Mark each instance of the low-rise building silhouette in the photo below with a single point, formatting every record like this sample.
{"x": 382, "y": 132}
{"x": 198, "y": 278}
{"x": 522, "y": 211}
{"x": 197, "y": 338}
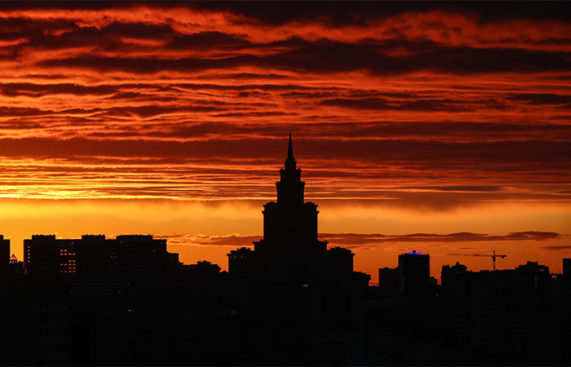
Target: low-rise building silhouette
{"x": 203, "y": 269}
{"x": 567, "y": 267}
{"x": 486, "y": 308}
{"x": 16, "y": 267}
{"x": 389, "y": 281}
{"x": 4, "y": 253}
{"x": 241, "y": 262}
{"x": 95, "y": 259}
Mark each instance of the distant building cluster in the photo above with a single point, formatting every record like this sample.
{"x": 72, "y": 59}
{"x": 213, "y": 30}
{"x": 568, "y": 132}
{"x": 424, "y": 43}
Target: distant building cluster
{"x": 513, "y": 316}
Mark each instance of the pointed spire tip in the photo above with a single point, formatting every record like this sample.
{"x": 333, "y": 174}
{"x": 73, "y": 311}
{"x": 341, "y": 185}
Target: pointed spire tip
{"x": 290, "y": 147}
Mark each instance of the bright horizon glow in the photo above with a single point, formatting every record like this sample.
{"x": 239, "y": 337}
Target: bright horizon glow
{"x": 194, "y": 229}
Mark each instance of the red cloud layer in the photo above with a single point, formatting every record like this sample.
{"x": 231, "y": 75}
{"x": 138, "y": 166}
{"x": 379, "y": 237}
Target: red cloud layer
{"x": 436, "y": 106}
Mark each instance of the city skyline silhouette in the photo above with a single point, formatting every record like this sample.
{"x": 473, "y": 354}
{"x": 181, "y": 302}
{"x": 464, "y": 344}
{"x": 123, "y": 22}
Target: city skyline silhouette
{"x": 430, "y": 127}
{"x": 344, "y": 183}
{"x": 290, "y": 300}
{"x": 416, "y": 240}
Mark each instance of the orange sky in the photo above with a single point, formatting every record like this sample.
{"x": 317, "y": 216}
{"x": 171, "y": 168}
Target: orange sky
{"x": 172, "y": 120}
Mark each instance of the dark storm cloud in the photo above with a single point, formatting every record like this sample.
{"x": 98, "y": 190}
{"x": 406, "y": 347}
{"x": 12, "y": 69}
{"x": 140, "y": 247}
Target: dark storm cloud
{"x": 397, "y": 130}
{"x": 137, "y": 30}
{"x": 384, "y": 104}
{"x": 327, "y": 57}
{"x": 206, "y": 40}
{"x": 20, "y": 111}
{"x": 456, "y": 188}
{"x": 548, "y": 153}
{"x": 358, "y": 12}
{"x": 23, "y": 28}
{"x": 339, "y": 13}
{"x": 144, "y": 65}
{"x": 153, "y": 110}
{"x": 31, "y": 89}
{"x": 543, "y": 98}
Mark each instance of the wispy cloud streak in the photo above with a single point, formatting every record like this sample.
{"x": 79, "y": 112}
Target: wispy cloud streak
{"x": 367, "y": 239}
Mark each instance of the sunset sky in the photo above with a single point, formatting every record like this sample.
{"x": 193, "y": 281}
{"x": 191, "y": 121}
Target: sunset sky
{"x": 438, "y": 127}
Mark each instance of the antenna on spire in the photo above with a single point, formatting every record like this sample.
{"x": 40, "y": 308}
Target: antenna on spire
{"x": 290, "y": 160}
{"x": 290, "y": 148}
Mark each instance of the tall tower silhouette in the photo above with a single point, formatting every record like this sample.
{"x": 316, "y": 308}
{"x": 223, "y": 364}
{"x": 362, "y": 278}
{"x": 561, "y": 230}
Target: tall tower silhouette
{"x": 290, "y": 224}
{"x": 290, "y": 250}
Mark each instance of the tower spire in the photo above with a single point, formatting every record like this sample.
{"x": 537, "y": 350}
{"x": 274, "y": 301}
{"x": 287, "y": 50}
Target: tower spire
{"x": 290, "y": 148}
{"x": 290, "y": 160}
{"x": 290, "y": 187}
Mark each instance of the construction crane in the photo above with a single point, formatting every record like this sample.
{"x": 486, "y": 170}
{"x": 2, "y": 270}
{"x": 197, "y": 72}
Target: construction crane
{"x": 493, "y": 256}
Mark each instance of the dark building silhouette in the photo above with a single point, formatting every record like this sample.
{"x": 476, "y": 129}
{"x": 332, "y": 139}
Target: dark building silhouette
{"x": 9, "y": 265}
{"x": 16, "y": 267}
{"x": 241, "y": 261}
{"x": 505, "y": 316}
{"x": 290, "y": 249}
{"x": 536, "y": 275}
{"x": 46, "y": 256}
{"x": 201, "y": 275}
{"x": 389, "y": 280}
{"x": 410, "y": 278}
{"x": 95, "y": 259}
{"x": 567, "y": 267}
{"x": 414, "y": 270}
{"x": 4, "y": 253}
{"x": 290, "y": 241}
{"x": 203, "y": 269}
